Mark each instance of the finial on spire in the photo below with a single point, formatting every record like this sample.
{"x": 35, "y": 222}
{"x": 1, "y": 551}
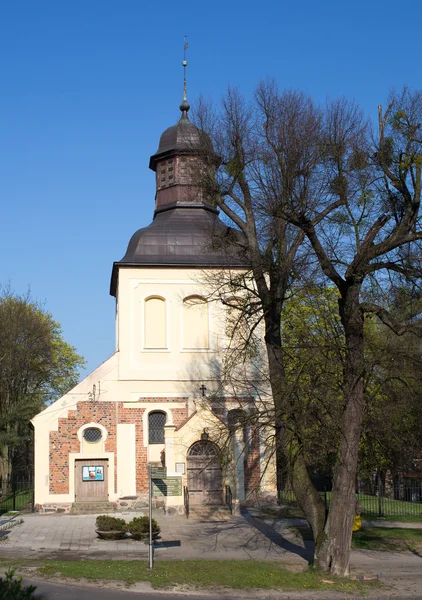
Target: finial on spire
{"x": 185, "y": 106}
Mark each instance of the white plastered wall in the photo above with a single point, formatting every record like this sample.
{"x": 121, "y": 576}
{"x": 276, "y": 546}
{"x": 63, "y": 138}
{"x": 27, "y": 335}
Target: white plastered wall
{"x": 135, "y": 375}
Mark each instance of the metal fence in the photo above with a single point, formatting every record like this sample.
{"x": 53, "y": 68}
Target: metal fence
{"x": 397, "y": 501}
{"x": 17, "y": 494}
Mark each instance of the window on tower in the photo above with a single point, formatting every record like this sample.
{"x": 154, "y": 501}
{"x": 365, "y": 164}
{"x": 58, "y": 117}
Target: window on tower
{"x": 195, "y": 323}
{"x": 155, "y": 323}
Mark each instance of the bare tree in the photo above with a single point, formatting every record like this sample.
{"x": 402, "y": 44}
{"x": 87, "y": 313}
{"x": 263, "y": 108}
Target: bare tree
{"x": 373, "y": 234}
{"x": 267, "y": 155}
{"x": 289, "y": 173}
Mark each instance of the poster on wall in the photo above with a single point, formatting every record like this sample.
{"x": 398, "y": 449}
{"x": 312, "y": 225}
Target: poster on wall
{"x": 92, "y": 473}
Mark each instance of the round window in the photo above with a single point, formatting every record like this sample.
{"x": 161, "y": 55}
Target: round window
{"x": 92, "y": 435}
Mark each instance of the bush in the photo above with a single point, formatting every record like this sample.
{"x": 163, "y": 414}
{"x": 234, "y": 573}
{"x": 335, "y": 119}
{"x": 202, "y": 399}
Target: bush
{"x": 11, "y": 588}
{"x": 107, "y": 523}
{"x": 139, "y": 527}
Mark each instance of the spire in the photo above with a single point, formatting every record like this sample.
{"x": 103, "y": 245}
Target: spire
{"x": 185, "y": 106}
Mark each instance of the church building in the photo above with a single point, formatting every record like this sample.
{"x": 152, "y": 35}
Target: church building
{"x": 149, "y": 403}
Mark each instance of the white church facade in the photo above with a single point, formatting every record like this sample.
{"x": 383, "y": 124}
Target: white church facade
{"x": 147, "y": 404}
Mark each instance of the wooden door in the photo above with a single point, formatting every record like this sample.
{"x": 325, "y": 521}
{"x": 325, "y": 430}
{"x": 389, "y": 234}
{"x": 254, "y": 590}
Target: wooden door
{"x": 205, "y": 479}
{"x": 91, "y": 480}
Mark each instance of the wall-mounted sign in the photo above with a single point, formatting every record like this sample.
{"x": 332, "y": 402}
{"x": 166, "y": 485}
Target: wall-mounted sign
{"x": 167, "y": 486}
{"x": 93, "y": 473}
{"x": 180, "y": 468}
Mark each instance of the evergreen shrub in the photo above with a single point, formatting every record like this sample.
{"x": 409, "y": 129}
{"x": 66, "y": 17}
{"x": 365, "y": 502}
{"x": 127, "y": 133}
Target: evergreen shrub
{"x": 139, "y": 528}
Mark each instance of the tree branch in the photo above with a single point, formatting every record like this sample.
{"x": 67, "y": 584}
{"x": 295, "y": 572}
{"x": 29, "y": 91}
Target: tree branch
{"x": 390, "y": 321}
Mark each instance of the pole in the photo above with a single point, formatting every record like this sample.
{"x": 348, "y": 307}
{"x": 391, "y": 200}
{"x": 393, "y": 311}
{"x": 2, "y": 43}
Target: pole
{"x": 14, "y": 492}
{"x": 151, "y": 547}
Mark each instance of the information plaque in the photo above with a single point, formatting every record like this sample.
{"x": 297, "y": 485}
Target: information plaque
{"x": 167, "y": 486}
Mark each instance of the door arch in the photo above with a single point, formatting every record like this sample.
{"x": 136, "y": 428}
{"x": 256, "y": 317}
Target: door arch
{"x": 205, "y": 477}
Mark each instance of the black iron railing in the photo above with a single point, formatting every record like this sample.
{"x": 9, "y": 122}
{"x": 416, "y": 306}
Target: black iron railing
{"x": 398, "y": 501}
{"x": 229, "y": 499}
{"x": 16, "y": 495}
{"x": 186, "y": 500}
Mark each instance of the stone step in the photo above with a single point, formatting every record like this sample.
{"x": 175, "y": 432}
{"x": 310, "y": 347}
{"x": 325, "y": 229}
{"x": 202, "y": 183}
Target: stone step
{"x": 209, "y": 513}
{"x": 83, "y": 508}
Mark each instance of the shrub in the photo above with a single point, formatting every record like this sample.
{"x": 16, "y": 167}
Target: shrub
{"x": 139, "y": 527}
{"x": 11, "y": 588}
{"x": 107, "y": 523}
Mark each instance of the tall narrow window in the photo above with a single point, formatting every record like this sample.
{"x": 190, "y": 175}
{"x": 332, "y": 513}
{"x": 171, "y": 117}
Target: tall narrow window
{"x": 195, "y": 323}
{"x": 156, "y": 422}
{"x": 155, "y": 323}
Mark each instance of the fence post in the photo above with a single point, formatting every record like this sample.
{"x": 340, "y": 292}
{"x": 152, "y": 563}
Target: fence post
{"x": 14, "y": 492}
{"x": 380, "y": 503}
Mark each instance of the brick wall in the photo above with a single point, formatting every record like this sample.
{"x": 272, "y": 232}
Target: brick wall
{"x": 252, "y": 467}
{"x": 107, "y": 414}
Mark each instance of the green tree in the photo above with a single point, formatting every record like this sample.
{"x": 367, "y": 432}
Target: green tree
{"x": 36, "y": 367}
{"x": 392, "y": 419}
{"x": 314, "y": 345}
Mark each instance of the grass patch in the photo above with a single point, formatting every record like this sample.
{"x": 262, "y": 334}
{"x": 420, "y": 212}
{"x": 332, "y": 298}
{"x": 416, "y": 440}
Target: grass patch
{"x": 202, "y": 574}
{"x": 393, "y": 510}
{"x": 385, "y": 539}
{"x": 388, "y": 539}
{"x": 397, "y": 518}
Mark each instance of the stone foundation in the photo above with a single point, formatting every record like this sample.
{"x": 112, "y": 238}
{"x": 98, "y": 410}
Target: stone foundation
{"x": 141, "y": 502}
{"x": 61, "y": 508}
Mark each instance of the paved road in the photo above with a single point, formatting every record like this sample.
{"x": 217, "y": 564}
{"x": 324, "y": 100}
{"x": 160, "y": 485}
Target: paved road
{"x": 53, "y": 591}
{"x": 56, "y": 591}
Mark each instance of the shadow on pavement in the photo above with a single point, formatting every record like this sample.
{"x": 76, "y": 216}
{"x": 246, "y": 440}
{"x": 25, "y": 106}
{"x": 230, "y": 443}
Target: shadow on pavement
{"x": 170, "y": 544}
{"x": 276, "y": 538}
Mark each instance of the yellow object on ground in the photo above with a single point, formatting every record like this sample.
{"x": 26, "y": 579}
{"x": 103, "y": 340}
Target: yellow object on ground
{"x": 357, "y": 523}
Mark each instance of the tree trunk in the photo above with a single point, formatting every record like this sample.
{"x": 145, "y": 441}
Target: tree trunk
{"x": 288, "y": 445}
{"x": 333, "y": 553}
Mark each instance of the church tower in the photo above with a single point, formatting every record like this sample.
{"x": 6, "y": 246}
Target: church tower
{"x": 186, "y": 223}
{"x": 144, "y": 405}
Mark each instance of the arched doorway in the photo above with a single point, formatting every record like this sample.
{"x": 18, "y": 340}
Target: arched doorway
{"x": 205, "y": 478}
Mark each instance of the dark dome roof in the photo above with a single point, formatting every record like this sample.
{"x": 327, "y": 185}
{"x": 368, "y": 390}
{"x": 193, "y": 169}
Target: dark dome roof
{"x": 182, "y": 138}
{"x": 182, "y": 236}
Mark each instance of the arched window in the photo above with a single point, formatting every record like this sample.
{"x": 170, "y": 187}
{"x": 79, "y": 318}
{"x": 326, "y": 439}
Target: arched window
{"x": 195, "y": 323}
{"x": 236, "y": 419}
{"x": 204, "y": 448}
{"x": 155, "y": 323}
{"x": 156, "y": 422}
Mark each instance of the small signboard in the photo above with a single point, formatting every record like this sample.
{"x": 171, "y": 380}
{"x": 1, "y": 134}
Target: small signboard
{"x": 167, "y": 486}
{"x": 94, "y": 473}
{"x": 158, "y": 472}
{"x": 180, "y": 468}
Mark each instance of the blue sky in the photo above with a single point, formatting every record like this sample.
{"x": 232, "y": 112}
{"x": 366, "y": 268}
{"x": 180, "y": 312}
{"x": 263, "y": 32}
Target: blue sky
{"x": 87, "y": 87}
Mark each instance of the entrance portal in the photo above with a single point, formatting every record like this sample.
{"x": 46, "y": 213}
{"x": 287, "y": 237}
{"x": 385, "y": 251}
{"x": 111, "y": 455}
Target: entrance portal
{"x": 91, "y": 480}
{"x": 205, "y": 479}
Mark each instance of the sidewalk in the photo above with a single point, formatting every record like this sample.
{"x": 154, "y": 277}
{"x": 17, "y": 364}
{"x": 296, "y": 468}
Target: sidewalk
{"x": 66, "y": 536}
{"x": 244, "y": 537}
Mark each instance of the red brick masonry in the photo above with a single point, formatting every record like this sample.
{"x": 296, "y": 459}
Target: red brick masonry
{"x": 107, "y": 414}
